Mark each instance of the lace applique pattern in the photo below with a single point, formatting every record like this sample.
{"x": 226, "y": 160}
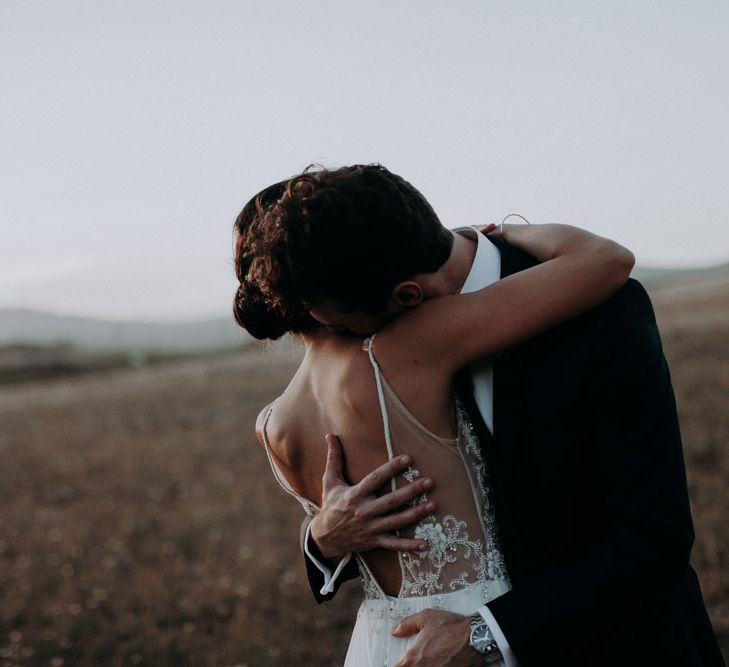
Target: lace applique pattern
{"x": 449, "y": 540}
{"x": 411, "y": 474}
{"x": 496, "y": 564}
{"x": 372, "y": 590}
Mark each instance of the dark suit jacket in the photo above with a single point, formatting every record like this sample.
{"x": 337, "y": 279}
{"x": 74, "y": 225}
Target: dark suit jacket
{"x": 590, "y": 494}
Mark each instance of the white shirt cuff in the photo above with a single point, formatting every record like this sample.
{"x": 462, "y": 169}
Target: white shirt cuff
{"x": 330, "y": 577}
{"x": 506, "y": 652}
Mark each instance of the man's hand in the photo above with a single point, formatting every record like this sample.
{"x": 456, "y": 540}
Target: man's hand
{"x": 354, "y": 518}
{"x": 487, "y": 229}
{"x": 442, "y": 640}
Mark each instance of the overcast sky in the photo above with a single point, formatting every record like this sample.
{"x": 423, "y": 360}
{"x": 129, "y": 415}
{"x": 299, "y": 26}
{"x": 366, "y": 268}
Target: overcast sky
{"x": 131, "y": 133}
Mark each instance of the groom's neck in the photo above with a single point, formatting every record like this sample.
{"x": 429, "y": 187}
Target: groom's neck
{"x": 449, "y": 279}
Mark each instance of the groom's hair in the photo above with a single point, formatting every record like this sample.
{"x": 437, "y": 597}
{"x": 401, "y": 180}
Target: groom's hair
{"x": 350, "y": 234}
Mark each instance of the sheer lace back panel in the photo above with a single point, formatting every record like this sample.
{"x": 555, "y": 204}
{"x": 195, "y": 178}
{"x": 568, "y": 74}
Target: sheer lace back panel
{"x": 461, "y": 535}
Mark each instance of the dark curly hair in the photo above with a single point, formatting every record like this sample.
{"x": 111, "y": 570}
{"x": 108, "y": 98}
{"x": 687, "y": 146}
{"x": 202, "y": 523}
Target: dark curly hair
{"x": 251, "y": 309}
{"x": 349, "y": 234}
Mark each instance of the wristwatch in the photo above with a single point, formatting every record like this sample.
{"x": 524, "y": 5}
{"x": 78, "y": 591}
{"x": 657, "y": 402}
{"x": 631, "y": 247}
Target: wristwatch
{"x": 482, "y": 640}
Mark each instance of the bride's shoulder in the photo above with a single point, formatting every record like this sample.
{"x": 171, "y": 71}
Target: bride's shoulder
{"x": 270, "y": 420}
{"x": 261, "y": 423}
{"x": 278, "y": 426}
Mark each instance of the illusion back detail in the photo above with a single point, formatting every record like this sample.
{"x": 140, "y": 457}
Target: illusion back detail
{"x": 463, "y": 548}
{"x": 463, "y": 567}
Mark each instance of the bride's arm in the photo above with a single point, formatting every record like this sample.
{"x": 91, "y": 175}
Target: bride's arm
{"x": 579, "y": 270}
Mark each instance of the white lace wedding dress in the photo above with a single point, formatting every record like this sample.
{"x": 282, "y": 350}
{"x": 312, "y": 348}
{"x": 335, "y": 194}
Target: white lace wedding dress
{"x": 463, "y": 568}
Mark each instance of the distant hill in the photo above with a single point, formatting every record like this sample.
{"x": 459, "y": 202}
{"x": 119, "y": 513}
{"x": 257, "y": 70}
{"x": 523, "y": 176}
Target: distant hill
{"x": 35, "y": 327}
{"x": 28, "y": 326}
{"x": 664, "y": 277}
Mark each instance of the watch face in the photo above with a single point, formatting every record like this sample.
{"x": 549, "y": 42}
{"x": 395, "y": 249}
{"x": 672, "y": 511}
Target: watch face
{"x": 480, "y": 638}
{"x": 483, "y": 641}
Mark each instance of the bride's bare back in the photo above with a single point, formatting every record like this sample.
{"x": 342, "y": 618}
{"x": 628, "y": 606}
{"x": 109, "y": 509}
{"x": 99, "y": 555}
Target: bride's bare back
{"x": 462, "y": 551}
{"x": 334, "y": 391}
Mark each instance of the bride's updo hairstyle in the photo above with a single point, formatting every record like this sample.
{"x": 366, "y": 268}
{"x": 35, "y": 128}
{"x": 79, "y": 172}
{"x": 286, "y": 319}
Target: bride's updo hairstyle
{"x": 350, "y": 234}
{"x": 262, "y": 317}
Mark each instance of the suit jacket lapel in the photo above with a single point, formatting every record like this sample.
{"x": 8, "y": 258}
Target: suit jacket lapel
{"x": 505, "y": 439}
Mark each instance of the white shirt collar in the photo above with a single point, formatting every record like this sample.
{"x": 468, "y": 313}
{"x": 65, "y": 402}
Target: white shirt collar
{"x": 486, "y": 267}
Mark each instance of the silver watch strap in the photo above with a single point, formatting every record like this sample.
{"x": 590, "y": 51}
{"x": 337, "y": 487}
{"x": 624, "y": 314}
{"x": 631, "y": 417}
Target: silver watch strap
{"x": 483, "y": 641}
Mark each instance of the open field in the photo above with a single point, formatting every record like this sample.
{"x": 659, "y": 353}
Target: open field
{"x": 141, "y": 525}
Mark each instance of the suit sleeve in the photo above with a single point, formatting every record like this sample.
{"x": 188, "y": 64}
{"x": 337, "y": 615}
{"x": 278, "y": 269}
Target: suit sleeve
{"x": 323, "y": 581}
{"x": 642, "y": 485}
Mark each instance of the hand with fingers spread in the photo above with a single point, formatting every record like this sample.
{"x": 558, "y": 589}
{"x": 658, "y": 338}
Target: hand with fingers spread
{"x": 353, "y": 518}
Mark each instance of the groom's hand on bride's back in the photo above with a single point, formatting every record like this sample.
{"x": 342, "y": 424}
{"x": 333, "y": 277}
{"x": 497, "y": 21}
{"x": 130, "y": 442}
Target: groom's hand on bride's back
{"x": 353, "y": 518}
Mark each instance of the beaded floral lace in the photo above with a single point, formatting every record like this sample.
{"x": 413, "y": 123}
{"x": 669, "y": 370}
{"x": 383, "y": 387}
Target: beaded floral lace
{"x": 449, "y": 542}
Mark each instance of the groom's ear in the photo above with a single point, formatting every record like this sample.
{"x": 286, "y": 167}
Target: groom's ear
{"x": 405, "y": 295}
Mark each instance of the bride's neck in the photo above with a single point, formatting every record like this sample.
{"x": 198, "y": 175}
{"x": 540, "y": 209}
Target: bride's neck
{"x": 321, "y": 339}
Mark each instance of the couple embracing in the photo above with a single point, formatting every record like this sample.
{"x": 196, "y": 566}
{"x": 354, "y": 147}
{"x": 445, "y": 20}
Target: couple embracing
{"x": 507, "y": 479}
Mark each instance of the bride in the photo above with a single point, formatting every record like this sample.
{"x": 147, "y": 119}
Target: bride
{"x": 389, "y": 393}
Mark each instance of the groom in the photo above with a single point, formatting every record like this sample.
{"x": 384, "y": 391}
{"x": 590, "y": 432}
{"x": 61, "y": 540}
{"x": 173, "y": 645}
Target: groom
{"x": 581, "y": 437}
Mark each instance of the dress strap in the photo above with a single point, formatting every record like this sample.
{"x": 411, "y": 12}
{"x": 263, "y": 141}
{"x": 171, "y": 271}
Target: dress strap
{"x": 310, "y": 507}
{"x": 367, "y": 346}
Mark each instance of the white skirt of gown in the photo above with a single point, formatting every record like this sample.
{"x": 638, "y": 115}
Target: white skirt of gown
{"x": 372, "y": 643}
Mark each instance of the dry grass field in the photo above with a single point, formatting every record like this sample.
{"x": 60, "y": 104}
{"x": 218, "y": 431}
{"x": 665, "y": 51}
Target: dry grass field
{"x": 140, "y": 523}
